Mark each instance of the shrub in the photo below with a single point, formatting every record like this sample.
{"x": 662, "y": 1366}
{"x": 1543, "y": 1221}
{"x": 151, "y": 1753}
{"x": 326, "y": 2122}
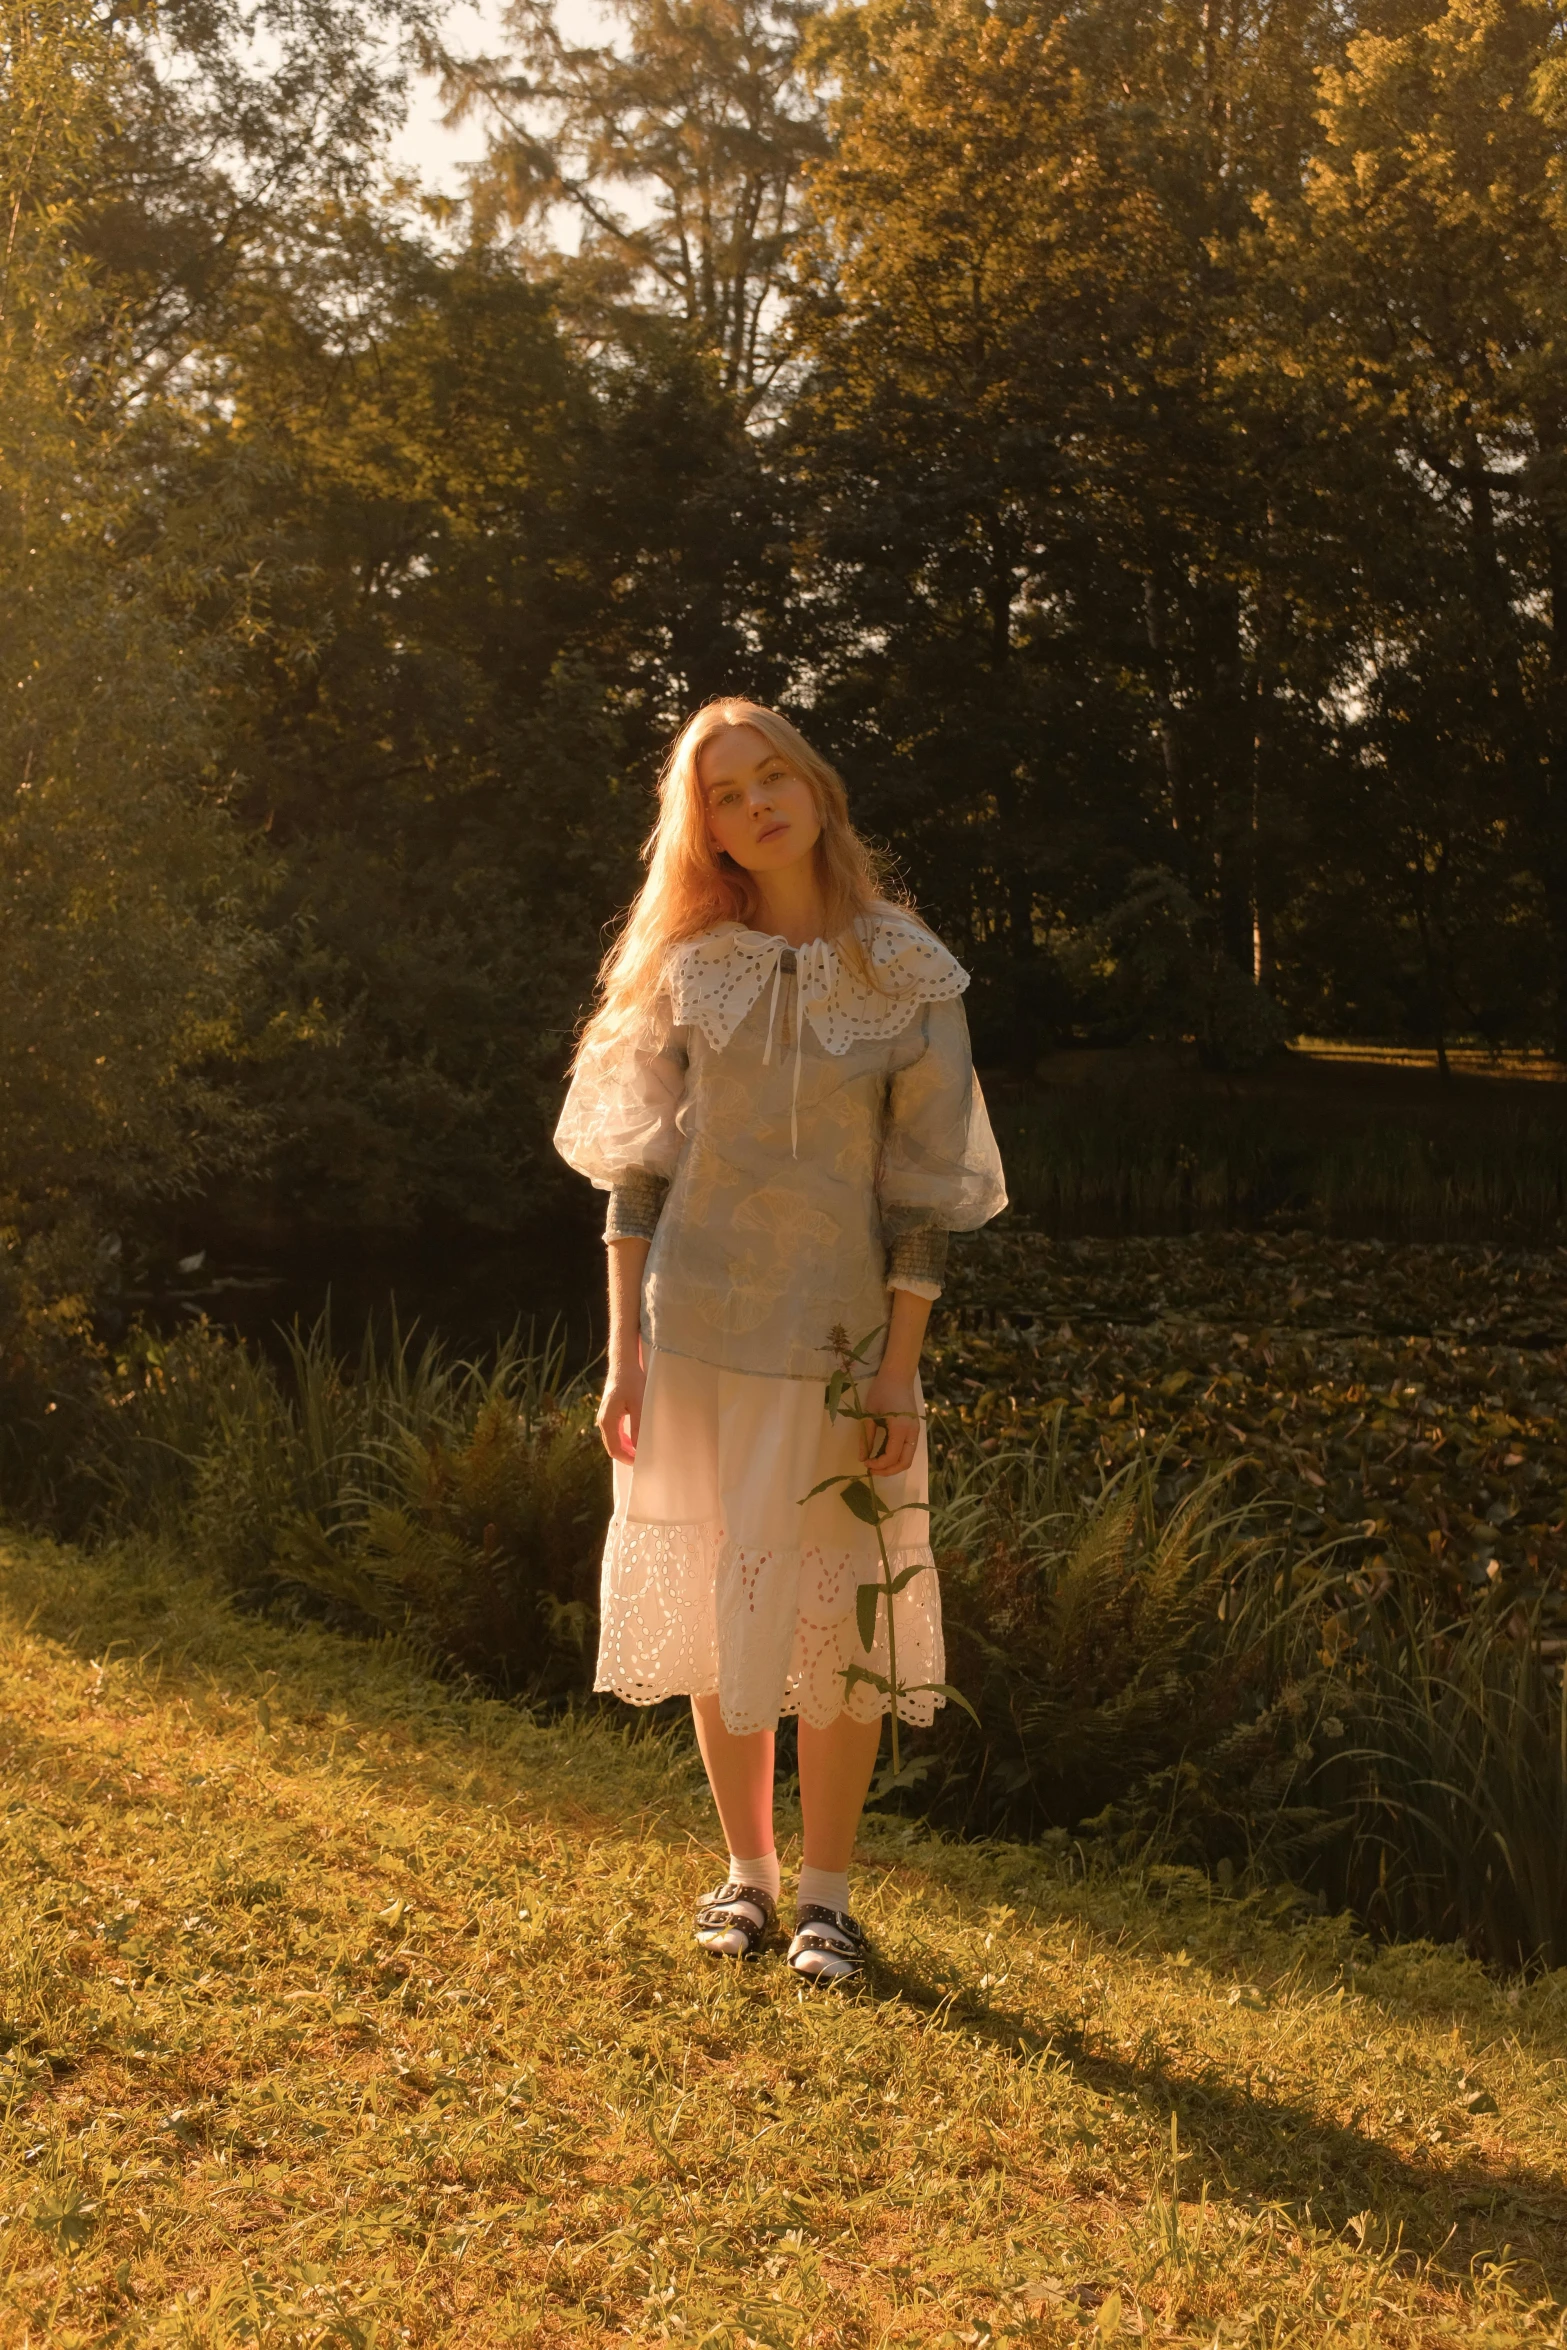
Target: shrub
{"x": 408, "y": 1491}
{"x": 1138, "y": 1660}
{"x": 1446, "y": 1778}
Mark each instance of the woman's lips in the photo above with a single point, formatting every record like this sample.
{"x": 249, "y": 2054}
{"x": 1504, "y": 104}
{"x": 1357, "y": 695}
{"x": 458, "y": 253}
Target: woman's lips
{"x": 772, "y": 832}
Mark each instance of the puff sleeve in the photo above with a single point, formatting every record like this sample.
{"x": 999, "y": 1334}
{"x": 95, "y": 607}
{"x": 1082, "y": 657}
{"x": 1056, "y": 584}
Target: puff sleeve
{"x": 940, "y": 1168}
{"x": 619, "y": 1123}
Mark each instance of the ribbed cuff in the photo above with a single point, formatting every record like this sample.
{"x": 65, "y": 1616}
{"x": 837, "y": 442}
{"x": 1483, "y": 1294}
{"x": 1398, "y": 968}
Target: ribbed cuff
{"x": 635, "y": 1204}
{"x": 917, "y": 1256}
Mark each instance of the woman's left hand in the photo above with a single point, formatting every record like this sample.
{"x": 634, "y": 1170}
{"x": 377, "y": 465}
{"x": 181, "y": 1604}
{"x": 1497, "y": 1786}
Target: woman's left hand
{"x": 895, "y": 1402}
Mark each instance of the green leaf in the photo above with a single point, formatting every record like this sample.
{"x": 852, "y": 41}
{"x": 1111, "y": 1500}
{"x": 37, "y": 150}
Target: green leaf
{"x": 844, "y": 1477}
{"x": 901, "y": 1582}
{"x": 835, "y": 1387}
{"x": 864, "y": 1502}
{"x": 866, "y": 1599}
{"x": 946, "y": 1690}
{"x": 67, "y": 2220}
{"x": 855, "y": 1673}
{"x": 857, "y": 1352}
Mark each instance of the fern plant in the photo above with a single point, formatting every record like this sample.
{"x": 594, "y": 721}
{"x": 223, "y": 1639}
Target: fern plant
{"x": 406, "y": 1490}
{"x": 1140, "y": 1661}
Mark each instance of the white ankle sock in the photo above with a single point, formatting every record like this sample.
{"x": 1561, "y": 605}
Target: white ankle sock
{"x": 762, "y": 1872}
{"x": 824, "y": 1889}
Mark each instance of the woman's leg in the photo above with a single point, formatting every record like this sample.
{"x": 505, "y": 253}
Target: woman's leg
{"x": 740, "y": 1773}
{"x": 835, "y": 1774}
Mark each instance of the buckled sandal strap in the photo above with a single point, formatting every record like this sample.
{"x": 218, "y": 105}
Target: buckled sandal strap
{"x": 722, "y": 1914}
{"x": 830, "y": 1934}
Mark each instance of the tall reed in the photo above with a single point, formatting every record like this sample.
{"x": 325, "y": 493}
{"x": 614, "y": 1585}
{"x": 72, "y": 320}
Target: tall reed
{"x": 1140, "y": 1658}
{"x": 1153, "y": 1666}
{"x": 404, "y": 1489}
{"x": 1447, "y": 1779}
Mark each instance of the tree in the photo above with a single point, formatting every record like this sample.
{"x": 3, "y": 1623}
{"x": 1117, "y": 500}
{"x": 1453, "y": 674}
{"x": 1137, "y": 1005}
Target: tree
{"x": 1039, "y": 462}
{"x": 678, "y": 151}
{"x": 124, "y": 888}
{"x": 1430, "y": 262}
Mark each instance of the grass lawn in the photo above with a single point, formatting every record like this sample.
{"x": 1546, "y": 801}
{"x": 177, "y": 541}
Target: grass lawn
{"x": 343, "y": 2008}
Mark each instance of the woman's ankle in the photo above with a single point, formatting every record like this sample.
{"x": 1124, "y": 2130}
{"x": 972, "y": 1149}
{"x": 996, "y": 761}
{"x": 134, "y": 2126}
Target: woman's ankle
{"x": 761, "y": 1872}
{"x": 823, "y": 1889}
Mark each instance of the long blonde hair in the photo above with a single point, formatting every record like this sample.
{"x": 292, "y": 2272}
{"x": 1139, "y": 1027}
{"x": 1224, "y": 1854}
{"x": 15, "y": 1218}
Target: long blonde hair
{"x": 691, "y": 884}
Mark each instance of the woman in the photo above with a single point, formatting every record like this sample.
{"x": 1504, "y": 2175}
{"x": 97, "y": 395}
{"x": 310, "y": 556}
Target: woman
{"x": 776, "y": 1091}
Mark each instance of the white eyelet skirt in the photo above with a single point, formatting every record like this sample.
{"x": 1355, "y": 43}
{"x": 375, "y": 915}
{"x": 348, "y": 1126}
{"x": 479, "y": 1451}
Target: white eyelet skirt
{"x": 718, "y": 1576}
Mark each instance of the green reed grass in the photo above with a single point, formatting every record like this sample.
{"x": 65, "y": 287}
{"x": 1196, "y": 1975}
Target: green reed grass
{"x": 1140, "y": 1658}
{"x": 1447, "y": 1777}
{"x": 1178, "y": 1675}
{"x": 406, "y": 1488}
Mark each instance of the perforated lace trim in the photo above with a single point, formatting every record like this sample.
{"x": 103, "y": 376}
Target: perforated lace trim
{"x": 714, "y": 981}
{"x": 683, "y": 1612}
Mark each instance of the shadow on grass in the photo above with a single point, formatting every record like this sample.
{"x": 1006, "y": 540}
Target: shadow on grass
{"x": 1240, "y": 2146}
{"x": 1271, "y": 2152}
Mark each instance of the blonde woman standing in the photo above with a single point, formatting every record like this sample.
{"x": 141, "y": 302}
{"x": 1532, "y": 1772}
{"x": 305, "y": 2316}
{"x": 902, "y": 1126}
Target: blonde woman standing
{"x": 777, "y": 1093}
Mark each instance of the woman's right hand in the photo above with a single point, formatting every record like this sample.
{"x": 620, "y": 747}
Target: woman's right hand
{"x": 620, "y": 1411}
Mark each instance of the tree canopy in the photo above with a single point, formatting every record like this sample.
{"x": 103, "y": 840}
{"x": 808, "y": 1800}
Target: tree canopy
{"x": 1130, "y": 435}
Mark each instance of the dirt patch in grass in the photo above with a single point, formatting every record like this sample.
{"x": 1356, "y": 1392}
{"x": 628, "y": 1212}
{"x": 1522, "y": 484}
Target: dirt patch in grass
{"x": 341, "y": 2007}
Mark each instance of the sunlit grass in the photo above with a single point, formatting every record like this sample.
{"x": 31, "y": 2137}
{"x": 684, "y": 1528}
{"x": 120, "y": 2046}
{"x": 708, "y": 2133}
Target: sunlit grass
{"x": 1469, "y": 1060}
{"x": 342, "y": 2007}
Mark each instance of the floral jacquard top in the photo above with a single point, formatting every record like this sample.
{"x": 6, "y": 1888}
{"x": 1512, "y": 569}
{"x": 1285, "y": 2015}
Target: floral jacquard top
{"x": 792, "y": 1136}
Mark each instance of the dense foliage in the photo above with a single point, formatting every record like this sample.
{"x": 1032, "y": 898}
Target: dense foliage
{"x": 1132, "y": 433}
{"x": 1174, "y": 1632}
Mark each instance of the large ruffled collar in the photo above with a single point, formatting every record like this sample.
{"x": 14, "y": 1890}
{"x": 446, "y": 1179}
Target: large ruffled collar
{"x": 715, "y": 979}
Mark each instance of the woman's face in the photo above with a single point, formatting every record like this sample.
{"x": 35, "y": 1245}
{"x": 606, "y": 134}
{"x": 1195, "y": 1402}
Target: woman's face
{"x": 759, "y": 808}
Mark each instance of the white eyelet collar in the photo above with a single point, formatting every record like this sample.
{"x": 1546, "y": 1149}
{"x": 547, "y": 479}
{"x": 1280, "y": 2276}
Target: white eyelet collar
{"x": 715, "y": 979}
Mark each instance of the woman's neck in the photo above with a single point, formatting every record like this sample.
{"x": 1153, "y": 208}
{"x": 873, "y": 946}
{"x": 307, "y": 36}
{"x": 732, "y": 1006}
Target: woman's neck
{"x": 790, "y": 904}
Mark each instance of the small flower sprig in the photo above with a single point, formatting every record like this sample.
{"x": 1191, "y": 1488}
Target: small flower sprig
{"x": 862, "y": 1500}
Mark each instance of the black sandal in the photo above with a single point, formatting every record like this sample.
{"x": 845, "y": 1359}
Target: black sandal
{"x": 829, "y": 1946}
{"x": 725, "y": 1925}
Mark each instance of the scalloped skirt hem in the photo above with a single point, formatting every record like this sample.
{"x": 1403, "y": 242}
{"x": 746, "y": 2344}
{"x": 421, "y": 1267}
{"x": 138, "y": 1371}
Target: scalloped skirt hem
{"x": 685, "y": 1613}
{"x": 725, "y": 1574}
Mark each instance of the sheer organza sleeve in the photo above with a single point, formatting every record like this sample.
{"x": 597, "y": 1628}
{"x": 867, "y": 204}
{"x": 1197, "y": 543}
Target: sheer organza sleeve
{"x": 619, "y": 1126}
{"x": 940, "y": 1168}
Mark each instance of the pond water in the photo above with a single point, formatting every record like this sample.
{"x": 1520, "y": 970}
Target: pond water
{"x": 469, "y": 1290}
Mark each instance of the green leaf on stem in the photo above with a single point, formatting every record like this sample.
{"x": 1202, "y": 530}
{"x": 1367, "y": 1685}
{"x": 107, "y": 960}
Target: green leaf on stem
{"x": 865, "y": 1503}
{"x": 852, "y": 1674}
{"x": 866, "y": 1600}
{"x": 902, "y": 1580}
{"x": 946, "y": 1690}
{"x": 844, "y": 1477}
{"x": 835, "y": 1387}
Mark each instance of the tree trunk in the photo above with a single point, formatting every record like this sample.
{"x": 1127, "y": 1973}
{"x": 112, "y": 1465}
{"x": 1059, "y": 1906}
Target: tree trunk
{"x": 1018, "y": 883}
{"x": 1553, "y": 811}
{"x": 1157, "y": 631}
